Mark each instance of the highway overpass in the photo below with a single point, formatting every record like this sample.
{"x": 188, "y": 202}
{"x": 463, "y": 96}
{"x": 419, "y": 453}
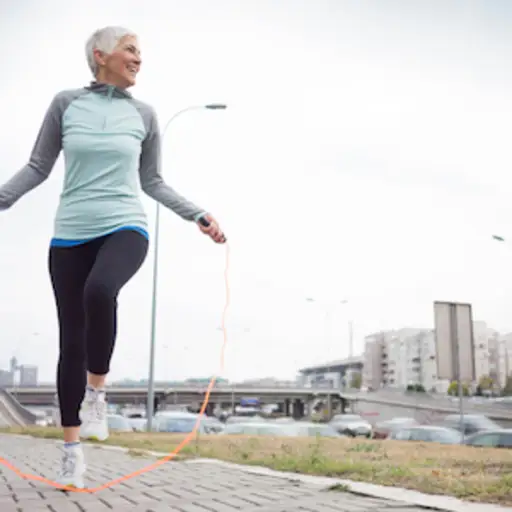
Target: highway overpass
{"x": 387, "y": 402}
{"x": 298, "y": 398}
{"x": 180, "y": 395}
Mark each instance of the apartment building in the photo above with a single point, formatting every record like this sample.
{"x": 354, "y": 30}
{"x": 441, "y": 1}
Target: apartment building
{"x": 487, "y": 351}
{"x": 28, "y": 375}
{"x": 374, "y": 361}
{"x": 504, "y": 359}
{"x": 398, "y": 358}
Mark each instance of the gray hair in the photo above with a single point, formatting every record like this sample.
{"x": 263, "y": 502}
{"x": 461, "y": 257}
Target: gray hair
{"x": 105, "y": 39}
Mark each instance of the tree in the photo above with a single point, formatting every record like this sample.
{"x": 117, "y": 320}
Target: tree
{"x": 453, "y": 389}
{"x": 356, "y": 381}
{"x": 486, "y": 383}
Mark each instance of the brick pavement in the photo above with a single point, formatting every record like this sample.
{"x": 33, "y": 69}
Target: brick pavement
{"x": 175, "y": 486}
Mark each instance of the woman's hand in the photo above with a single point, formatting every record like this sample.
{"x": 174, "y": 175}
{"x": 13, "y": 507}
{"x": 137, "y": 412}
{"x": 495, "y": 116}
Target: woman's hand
{"x": 212, "y": 230}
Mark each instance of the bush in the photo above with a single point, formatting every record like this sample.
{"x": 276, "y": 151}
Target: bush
{"x": 453, "y": 389}
{"x": 416, "y": 388}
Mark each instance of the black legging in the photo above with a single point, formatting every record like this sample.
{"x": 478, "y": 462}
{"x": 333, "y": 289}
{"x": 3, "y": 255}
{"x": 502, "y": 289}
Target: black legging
{"x": 86, "y": 281}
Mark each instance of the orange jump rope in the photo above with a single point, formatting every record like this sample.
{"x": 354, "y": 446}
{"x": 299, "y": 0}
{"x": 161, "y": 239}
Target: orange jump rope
{"x": 168, "y": 457}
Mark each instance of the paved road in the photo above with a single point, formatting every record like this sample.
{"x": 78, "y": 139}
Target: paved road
{"x": 177, "y": 486}
{"x": 380, "y": 412}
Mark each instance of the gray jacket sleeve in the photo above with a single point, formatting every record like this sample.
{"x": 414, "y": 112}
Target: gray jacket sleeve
{"x": 151, "y": 179}
{"x": 42, "y": 159}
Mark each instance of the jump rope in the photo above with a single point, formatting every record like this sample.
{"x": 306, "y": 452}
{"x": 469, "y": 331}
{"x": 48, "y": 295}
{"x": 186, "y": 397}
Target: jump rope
{"x": 188, "y": 438}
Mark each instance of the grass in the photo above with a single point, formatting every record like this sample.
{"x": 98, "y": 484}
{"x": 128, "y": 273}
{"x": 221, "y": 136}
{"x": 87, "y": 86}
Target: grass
{"x": 474, "y": 474}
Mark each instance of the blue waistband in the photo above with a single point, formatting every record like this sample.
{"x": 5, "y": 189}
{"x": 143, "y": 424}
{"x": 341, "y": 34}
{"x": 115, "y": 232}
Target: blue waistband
{"x": 59, "y": 242}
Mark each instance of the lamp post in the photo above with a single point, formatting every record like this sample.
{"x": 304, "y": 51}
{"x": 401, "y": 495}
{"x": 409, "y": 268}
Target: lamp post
{"x": 502, "y": 239}
{"x": 151, "y": 377}
{"x": 329, "y": 369}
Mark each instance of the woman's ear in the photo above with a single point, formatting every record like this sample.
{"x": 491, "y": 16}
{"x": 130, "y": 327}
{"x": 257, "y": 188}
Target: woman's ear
{"x": 99, "y": 57}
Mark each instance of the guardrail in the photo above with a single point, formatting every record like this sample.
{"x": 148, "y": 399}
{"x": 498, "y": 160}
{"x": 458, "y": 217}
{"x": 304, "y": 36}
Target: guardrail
{"x": 27, "y": 417}
{"x": 8, "y": 415}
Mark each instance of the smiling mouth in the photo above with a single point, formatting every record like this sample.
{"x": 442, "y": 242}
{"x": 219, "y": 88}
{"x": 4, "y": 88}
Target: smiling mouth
{"x": 132, "y": 70}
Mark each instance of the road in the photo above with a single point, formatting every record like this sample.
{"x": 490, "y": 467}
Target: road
{"x": 375, "y": 411}
{"x": 176, "y": 486}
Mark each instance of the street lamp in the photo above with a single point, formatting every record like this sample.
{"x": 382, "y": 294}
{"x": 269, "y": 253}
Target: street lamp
{"x": 151, "y": 377}
{"x": 498, "y": 238}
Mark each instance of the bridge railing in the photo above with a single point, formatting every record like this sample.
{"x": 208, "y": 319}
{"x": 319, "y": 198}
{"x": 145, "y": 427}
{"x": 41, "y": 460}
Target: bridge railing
{"x": 28, "y": 417}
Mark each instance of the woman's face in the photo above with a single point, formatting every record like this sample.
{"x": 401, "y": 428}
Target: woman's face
{"x": 122, "y": 65}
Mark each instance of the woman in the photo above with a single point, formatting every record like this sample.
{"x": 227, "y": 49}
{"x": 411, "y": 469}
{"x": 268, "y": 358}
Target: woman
{"x": 111, "y": 143}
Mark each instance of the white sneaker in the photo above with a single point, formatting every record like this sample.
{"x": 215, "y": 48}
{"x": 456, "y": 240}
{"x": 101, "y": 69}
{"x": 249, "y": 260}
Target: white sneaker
{"x": 93, "y": 416}
{"x": 73, "y": 467}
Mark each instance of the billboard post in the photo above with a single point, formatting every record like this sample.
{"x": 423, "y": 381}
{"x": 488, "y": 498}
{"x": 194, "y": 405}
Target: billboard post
{"x": 455, "y": 349}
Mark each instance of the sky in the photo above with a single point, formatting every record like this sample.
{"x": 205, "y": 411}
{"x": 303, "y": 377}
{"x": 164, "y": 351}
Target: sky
{"x": 364, "y": 157}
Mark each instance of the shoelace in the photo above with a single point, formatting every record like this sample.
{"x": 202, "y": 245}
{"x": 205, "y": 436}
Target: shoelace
{"x": 68, "y": 464}
{"x": 97, "y": 409}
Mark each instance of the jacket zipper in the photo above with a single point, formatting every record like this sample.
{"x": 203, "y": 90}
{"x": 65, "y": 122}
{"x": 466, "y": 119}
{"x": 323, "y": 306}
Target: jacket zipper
{"x": 110, "y": 94}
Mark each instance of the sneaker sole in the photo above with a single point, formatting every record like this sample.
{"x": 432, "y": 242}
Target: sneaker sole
{"x": 71, "y": 486}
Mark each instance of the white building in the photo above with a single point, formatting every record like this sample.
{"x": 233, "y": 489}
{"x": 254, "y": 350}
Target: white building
{"x": 504, "y": 359}
{"x": 399, "y": 358}
{"x": 333, "y": 374}
{"x": 486, "y": 351}
{"x": 374, "y": 361}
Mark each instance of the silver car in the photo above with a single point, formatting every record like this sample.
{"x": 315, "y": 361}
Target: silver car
{"x": 351, "y": 425}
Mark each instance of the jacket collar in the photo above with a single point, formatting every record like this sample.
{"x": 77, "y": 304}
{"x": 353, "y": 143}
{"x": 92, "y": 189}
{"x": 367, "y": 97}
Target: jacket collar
{"x": 108, "y": 90}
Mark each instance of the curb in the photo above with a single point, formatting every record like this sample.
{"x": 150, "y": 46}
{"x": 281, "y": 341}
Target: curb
{"x": 407, "y": 496}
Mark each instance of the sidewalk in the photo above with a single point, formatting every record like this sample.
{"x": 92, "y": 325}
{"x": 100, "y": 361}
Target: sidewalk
{"x": 201, "y": 486}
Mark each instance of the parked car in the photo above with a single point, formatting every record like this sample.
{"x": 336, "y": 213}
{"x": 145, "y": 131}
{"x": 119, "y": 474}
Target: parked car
{"x": 284, "y": 419}
{"x": 471, "y": 424}
{"x": 298, "y": 429}
{"x": 253, "y": 428}
{"x": 426, "y": 433}
{"x": 499, "y": 438}
{"x": 304, "y": 429}
{"x": 245, "y": 419}
{"x": 138, "y": 424}
{"x": 382, "y": 429}
{"x": 178, "y": 422}
{"x": 351, "y": 425}
{"x": 118, "y": 423}
{"x": 212, "y": 425}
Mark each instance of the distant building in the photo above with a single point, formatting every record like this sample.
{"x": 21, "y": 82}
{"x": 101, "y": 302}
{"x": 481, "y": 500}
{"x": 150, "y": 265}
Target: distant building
{"x": 504, "y": 359}
{"x": 399, "y": 358}
{"x": 333, "y": 374}
{"x": 375, "y": 361}
{"x": 28, "y": 375}
{"x": 486, "y": 354}
{"x": 6, "y": 379}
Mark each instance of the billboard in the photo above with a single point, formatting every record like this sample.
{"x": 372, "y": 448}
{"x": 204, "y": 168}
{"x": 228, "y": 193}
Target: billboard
{"x": 455, "y": 349}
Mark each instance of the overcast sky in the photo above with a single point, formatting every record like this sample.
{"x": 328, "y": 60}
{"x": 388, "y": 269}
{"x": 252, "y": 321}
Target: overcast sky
{"x": 364, "y": 156}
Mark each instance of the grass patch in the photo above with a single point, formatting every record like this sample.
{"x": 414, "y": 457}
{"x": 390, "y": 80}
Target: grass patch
{"x": 474, "y": 474}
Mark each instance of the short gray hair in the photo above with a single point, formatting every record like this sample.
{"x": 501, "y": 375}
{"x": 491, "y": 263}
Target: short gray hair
{"x": 105, "y": 39}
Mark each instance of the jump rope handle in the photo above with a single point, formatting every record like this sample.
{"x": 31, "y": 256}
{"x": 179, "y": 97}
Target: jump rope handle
{"x": 205, "y": 222}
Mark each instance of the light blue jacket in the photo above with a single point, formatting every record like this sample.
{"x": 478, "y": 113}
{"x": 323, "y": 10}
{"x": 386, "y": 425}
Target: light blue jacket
{"x": 111, "y": 146}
